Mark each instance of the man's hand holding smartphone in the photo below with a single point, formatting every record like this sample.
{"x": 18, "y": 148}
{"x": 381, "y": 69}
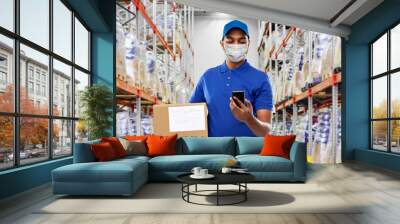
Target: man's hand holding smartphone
{"x": 240, "y": 107}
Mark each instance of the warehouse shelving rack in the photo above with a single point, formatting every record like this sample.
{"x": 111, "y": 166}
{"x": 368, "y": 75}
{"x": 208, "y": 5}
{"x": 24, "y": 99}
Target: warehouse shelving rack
{"x": 269, "y": 62}
{"x": 174, "y": 53}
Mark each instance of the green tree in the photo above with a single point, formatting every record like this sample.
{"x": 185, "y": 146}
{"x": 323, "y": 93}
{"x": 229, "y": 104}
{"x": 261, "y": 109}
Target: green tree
{"x": 96, "y": 102}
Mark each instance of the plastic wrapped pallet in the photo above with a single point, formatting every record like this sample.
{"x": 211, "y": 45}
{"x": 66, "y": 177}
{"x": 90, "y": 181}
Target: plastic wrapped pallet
{"x": 322, "y": 43}
{"x": 131, "y": 57}
{"x": 120, "y": 45}
{"x": 337, "y": 61}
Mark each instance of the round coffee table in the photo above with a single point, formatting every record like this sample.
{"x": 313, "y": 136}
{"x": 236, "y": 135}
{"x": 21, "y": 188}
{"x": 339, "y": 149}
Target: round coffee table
{"x": 238, "y": 179}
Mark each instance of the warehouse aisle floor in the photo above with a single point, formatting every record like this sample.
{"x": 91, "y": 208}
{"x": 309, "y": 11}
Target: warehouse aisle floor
{"x": 377, "y": 188}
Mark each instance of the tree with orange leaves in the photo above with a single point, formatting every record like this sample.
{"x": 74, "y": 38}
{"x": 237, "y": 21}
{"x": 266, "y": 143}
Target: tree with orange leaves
{"x": 33, "y": 131}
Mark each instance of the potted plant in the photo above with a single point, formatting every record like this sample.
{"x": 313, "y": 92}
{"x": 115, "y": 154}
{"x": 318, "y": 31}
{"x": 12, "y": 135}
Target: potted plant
{"x": 96, "y": 103}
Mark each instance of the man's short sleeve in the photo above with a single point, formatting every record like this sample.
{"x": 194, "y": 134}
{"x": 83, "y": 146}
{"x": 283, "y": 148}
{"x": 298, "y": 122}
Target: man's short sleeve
{"x": 263, "y": 96}
{"x": 198, "y": 93}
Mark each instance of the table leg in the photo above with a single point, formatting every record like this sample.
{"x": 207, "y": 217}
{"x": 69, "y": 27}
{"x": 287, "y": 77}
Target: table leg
{"x": 182, "y": 190}
{"x": 245, "y": 193}
{"x": 217, "y": 194}
{"x": 188, "y": 190}
{"x": 196, "y": 187}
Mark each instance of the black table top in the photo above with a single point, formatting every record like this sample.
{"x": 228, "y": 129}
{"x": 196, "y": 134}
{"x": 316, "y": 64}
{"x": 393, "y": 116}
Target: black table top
{"x": 220, "y": 178}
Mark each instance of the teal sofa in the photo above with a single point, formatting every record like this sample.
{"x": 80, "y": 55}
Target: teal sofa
{"x": 125, "y": 176}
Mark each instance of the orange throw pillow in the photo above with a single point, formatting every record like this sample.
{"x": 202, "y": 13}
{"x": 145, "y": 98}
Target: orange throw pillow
{"x": 277, "y": 145}
{"x": 116, "y": 145}
{"x": 161, "y": 145}
{"x": 103, "y": 152}
{"x": 136, "y": 137}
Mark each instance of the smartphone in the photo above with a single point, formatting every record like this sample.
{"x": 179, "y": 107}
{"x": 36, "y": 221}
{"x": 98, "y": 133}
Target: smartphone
{"x": 239, "y": 95}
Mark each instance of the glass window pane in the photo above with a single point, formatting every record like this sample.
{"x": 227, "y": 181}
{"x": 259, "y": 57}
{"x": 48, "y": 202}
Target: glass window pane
{"x": 379, "y": 56}
{"x": 395, "y": 94}
{"x": 35, "y": 21}
{"x": 6, "y": 142}
{"x": 379, "y": 135}
{"x": 62, "y": 138}
{"x": 6, "y": 74}
{"x": 81, "y": 131}
{"x": 395, "y": 47}
{"x": 7, "y": 14}
{"x": 62, "y": 29}
{"x": 62, "y": 89}
{"x": 395, "y": 136}
{"x": 81, "y": 45}
{"x": 34, "y": 81}
{"x": 33, "y": 139}
{"x": 379, "y": 97}
{"x": 81, "y": 81}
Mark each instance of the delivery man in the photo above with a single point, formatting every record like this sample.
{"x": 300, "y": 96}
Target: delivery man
{"x": 227, "y": 116}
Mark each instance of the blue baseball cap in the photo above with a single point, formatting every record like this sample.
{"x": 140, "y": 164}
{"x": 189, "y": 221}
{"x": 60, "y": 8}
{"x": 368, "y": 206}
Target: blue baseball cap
{"x": 235, "y": 24}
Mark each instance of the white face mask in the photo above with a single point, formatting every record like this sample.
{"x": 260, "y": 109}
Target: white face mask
{"x": 235, "y": 52}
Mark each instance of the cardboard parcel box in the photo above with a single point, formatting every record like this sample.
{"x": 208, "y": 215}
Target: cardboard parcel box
{"x": 187, "y": 119}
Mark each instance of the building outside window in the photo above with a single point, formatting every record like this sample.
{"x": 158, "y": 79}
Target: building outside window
{"x": 58, "y": 128}
{"x": 3, "y": 72}
{"x": 30, "y": 72}
{"x": 3, "y": 60}
{"x": 38, "y": 89}
{"x": 37, "y": 74}
{"x": 30, "y": 87}
{"x": 43, "y": 78}
{"x": 3, "y": 78}
{"x": 43, "y": 90}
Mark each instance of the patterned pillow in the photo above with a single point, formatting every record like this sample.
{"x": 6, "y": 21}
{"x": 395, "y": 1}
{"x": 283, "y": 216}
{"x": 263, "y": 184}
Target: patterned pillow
{"x": 134, "y": 147}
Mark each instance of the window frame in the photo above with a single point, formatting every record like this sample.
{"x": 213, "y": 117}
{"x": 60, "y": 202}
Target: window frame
{"x": 388, "y": 74}
{"x": 15, "y": 68}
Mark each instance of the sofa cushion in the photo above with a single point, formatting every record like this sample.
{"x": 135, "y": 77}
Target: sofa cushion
{"x": 159, "y": 145}
{"x": 112, "y": 171}
{"x": 83, "y": 152}
{"x": 136, "y": 137}
{"x": 116, "y": 145}
{"x": 185, "y": 163}
{"x": 103, "y": 152}
{"x": 132, "y": 158}
{"x": 134, "y": 147}
{"x": 206, "y": 145}
{"x": 277, "y": 145}
{"x": 257, "y": 163}
{"x": 249, "y": 145}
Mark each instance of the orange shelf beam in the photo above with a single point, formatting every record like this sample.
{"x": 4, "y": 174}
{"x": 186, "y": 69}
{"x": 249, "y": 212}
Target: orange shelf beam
{"x": 266, "y": 29}
{"x": 284, "y": 42}
{"x": 333, "y": 80}
{"x": 141, "y": 9}
{"x": 136, "y": 92}
{"x": 188, "y": 43}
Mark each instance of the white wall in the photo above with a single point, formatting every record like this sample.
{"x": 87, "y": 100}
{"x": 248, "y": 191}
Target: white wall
{"x": 207, "y": 34}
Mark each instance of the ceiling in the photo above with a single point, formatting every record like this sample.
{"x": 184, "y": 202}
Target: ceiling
{"x": 321, "y": 9}
{"x": 327, "y": 16}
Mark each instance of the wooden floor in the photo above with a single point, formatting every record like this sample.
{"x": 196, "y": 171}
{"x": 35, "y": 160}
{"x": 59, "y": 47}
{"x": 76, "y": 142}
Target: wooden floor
{"x": 377, "y": 188}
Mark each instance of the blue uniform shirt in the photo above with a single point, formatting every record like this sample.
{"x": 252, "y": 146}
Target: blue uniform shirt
{"x": 215, "y": 88}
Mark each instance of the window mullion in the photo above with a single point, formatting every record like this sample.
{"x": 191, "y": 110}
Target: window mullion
{"x": 16, "y": 84}
{"x": 389, "y": 113}
{"x": 73, "y": 81}
{"x": 50, "y": 81}
{"x": 371, "y": 144}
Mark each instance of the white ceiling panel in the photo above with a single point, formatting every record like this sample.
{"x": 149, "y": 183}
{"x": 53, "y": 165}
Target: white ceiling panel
{"x": 313, "y": 15}
{"x": 321, "y": 9}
